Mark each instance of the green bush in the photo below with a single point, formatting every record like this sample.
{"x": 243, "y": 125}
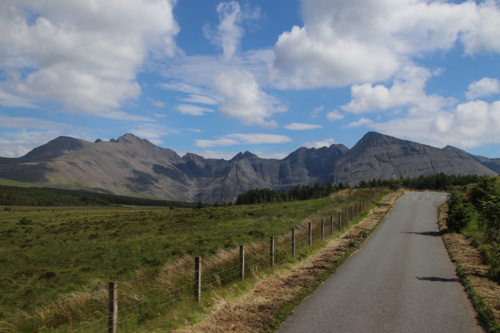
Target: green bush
{"x": 460, "y": 214}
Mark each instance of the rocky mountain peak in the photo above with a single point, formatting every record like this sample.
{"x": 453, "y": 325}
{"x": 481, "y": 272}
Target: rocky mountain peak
{"x": 245, "y": 155}
{"x": 59, "y": 146}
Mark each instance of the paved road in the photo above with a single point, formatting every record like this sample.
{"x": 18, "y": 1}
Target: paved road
{"x": 401, "y": 280}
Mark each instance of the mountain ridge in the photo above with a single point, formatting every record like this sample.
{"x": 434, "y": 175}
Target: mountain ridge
{"x": 136, "y": 167}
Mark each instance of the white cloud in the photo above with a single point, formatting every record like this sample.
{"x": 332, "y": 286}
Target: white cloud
{"x": 362, "y": 122}
{"x": 240, "y": 138}
{"x": 468, "y": 125}
{"x": 82, "y": 55}
{"x": 334, "y": 115}
{"x": 319, "y": 144}
{"x": 233, "y": 86}
{"x": 305, "y": 61}
{"x": 229, "y": 31}
{"x": 484, "y": 87}
{"x": 408, "y": 89}
{"x": 193, "y": 110}
{"x": 481, "y": 34}
{"x": 243, "y": 99}
{"x": 353, "y": 42}
{"x": 301, "y": 126}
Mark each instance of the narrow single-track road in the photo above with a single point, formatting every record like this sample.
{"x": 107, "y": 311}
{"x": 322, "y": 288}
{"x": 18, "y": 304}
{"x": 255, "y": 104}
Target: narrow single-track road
{"x": 401, "y": 280}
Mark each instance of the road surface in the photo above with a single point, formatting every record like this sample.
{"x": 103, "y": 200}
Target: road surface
{"x": 401, "y": 280}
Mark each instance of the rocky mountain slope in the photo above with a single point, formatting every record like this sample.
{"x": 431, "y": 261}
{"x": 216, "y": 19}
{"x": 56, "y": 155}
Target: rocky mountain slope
{"x": 491, "y": 163}
{"x": 381, "y": 156}
{"x": 136, "y": 167}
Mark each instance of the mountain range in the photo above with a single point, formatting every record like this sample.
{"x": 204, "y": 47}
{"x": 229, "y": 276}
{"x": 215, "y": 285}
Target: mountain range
{"x": 136, "y": 167}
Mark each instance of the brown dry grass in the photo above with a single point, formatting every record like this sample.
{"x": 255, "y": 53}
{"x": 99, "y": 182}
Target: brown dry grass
{"x": 473, "y": 265}
{"x": 256, "y": 310}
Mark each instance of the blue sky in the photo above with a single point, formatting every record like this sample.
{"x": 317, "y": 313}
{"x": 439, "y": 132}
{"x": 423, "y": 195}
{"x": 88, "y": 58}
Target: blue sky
{"x": 219, "y": 77}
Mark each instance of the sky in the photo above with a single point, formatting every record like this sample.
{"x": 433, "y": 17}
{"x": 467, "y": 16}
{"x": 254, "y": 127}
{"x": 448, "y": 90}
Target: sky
{"x": 216, "y": 78}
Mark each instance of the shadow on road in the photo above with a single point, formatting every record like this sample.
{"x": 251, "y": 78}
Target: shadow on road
{"x": 436, "y": 279}
{"x": 424, "y": 233}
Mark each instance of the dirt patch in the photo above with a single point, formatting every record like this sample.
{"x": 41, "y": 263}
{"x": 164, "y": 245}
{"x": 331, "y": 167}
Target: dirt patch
{"x": 472, "y": 263}
{"x": 256, "y": 311}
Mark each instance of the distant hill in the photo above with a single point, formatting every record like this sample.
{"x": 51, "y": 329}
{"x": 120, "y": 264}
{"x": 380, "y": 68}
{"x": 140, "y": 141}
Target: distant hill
{"x": 135, "y": 167}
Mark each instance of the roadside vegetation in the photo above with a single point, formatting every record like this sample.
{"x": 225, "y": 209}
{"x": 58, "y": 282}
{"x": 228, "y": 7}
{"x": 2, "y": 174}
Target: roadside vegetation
{"x": 475, "y": 212}
{"x": 473, "y": 217}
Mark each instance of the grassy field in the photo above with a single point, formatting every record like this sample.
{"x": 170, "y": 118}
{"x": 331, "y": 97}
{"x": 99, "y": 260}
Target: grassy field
{"x": 46, "y": 252}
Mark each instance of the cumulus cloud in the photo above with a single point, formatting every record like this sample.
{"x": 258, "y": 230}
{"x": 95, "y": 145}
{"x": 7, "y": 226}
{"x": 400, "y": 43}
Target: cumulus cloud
{"x": 243, "y": 99}
{"x": 302, "y": 127}
{"x": 319, "y": 144}
{"x": 468, "y": 125}
{"x": 484, "y": 87}
{"x": 408, "y": 89}
{"x": 240, "y": 138}
{"x": 354, "y": 42}
{"x": 82, "y": 55}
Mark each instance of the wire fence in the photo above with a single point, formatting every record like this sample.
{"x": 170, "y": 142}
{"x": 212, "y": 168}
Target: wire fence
{"x": 125, "y": 305}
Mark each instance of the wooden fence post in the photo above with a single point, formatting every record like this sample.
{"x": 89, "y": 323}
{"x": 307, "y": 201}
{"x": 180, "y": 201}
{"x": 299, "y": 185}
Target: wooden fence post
{"x": 271, "y": 252}
{"x": 322, "y": 230}
{"x": 197, "y": 279}
{"x": 242, "y": 263}
{"x": 112, "y": 307}
{"x": 293, "y": 242}
{"x": 310, "y": 234}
